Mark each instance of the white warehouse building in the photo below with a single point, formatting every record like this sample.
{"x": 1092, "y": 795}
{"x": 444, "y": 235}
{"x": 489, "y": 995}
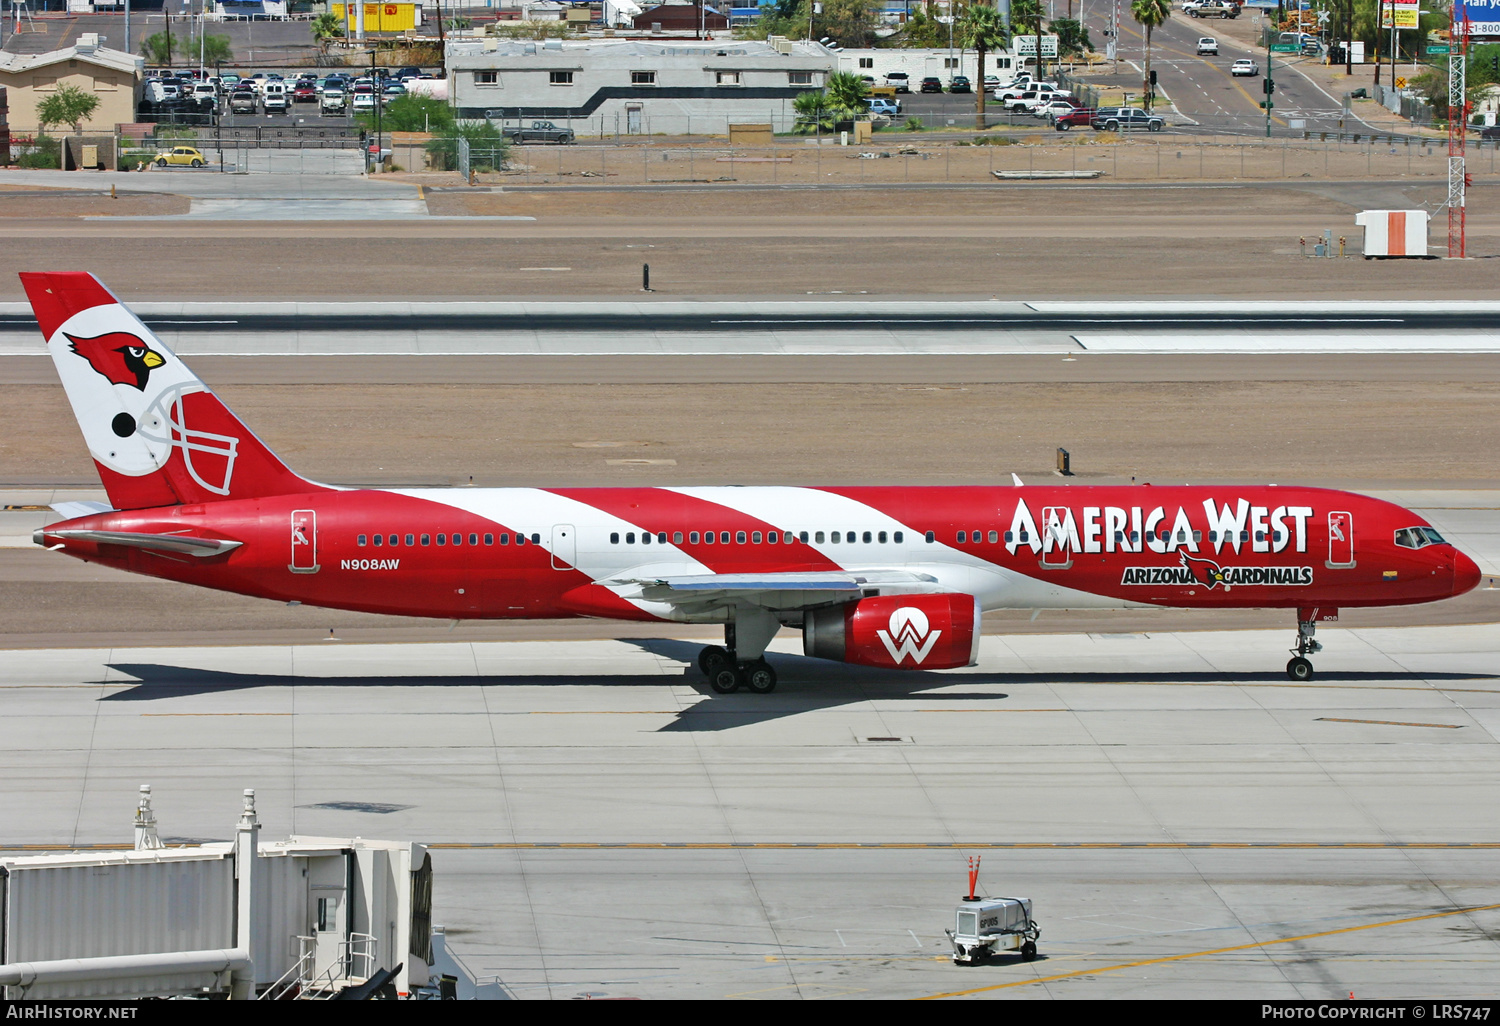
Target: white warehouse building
{"x": 635, "y": 86}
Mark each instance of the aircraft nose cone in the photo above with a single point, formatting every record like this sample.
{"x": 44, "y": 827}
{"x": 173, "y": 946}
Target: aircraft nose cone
{"x": 1465, "y": 573}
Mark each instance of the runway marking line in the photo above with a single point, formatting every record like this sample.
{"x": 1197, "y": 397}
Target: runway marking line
{"x": 1390, "y": 723}
{"x": 1212, "y": 951}
{"x": 220, "y": 714}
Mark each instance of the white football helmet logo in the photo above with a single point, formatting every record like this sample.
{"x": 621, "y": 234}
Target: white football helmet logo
{"x": 164, "y": 422}
{"x": 909, "y": 635}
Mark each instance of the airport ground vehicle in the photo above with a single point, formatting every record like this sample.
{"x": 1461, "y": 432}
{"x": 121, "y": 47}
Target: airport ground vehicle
{"x": 886, "y": 577}
{"x": 274, "y": 98}
{"x": 539, "y": 131}
{"x": 183, "y": 156}
{"x": 1244, "y": 66}
{"x": 1208, "y": 46}
{"x": 1125, "y": 119}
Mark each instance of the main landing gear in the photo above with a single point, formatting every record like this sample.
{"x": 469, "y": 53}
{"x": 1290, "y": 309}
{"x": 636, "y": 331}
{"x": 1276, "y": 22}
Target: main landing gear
{"x": 727, "y": 672}
{"x": 1300, "y": 668}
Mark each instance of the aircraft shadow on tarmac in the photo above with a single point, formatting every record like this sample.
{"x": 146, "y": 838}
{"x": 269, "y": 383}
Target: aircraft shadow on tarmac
{"x": 806, "y": 684}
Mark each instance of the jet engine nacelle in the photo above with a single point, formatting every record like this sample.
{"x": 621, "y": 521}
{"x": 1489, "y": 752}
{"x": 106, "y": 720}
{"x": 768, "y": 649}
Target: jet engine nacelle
{"x": 902, "y": 632}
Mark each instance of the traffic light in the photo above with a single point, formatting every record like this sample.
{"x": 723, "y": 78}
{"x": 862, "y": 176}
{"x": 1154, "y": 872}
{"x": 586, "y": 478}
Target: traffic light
{"x": 1153, "y": 78}
{"x": 1270, "y": 87}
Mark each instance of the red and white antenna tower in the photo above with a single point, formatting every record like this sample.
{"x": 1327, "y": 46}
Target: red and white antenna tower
{"x": 1458, "y": 120}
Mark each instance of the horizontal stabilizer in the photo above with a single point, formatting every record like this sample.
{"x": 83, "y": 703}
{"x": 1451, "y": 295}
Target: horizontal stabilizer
{"x": 81, "y": 508}
{"x": 184, "y": 543}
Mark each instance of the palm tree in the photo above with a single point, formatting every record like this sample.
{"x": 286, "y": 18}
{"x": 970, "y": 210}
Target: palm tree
{"x": 1150, "y": 13}
{"x": 1028, "y": 14}
{"x": 325, "y": 28}
{"x": 981, "y": 28}
{"x": 847, "y": 91}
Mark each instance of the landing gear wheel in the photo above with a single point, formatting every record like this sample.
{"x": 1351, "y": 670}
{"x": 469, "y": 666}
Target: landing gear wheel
{"x": 760, "y": 678}
{"x": 725, "y": 679}
{"x": 1299, "y": 668}
{"x": 1028, "y": 951}
{"x": 710, "y": 655}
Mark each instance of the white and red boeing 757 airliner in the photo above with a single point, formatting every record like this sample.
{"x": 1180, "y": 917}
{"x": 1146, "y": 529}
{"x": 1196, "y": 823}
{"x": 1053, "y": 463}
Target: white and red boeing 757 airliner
{"x": 885, "y": 577}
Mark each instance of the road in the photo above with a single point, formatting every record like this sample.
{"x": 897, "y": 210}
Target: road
{"x": 1206, "y": 97}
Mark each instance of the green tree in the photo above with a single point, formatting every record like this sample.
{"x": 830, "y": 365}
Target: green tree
{"x": 1150, "y": 14}
{"x": 160, "y": 48}
{"x": 1072, "y": 36}
{"x": 214, "y": 50}
{"x": 68, "y": 106}
{"x": 411, "y": 114}
{"x": 850, "y": 22}
{"x": 981, "y": 29}
{"x": 1026, "y": 19}
{"x": 814, "y": 112}
{"x": 847, "y": 91}
{"x": 923, "y": 31}
{"x": 326, "y": 28}
{"x": 487, "y": 147}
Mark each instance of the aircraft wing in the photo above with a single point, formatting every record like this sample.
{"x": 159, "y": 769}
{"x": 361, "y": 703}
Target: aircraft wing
{"x": 773, "y": 591}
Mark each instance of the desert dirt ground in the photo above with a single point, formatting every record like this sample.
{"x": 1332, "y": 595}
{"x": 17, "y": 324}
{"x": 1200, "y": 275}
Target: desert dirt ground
{"x": 1009, "y": 241}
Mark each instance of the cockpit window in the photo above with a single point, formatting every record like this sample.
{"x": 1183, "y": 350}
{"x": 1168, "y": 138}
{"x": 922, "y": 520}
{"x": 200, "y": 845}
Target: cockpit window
{"x": 1418, "y": 537}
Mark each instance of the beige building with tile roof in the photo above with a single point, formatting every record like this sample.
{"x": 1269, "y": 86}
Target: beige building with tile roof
{"x": 112, "y": 75}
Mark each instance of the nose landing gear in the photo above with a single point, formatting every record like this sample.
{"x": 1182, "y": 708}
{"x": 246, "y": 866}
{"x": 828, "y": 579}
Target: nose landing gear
{"x": 1300, "y": 668}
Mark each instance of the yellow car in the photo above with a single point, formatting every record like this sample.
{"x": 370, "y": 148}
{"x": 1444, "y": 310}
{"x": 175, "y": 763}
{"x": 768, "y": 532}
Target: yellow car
{"x": 181, "y": 155}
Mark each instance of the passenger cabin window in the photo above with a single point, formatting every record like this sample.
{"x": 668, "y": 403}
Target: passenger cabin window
{"x": 411, "y": 539}
{"x": 360, "y": 541}
{"x": 489, "y": 539}
{"x": 724, "y": 538}
{"x": 931, "y": 537}
{"x": 963, "y": 536}
{"x": 739, "y": 537}
{"x": 692, "y": 537}
{"x": 377, "y": 540}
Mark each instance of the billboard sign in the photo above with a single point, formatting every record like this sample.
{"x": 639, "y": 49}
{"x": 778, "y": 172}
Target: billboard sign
{"x": 1405, "y": 15}
{"x": 1484, "y": 17}
{"x": 1025, "y": 46}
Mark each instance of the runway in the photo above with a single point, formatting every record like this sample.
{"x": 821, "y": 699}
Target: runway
{"x": 605, "y": 827}
{"x": 809, "y": 328}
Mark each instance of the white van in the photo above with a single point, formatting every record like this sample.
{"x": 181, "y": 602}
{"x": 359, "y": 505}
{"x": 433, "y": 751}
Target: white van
{"x": 274, "y": 97}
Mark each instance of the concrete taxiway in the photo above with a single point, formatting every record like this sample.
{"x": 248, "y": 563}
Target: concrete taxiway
{"x": 802, "y": 328}
{"x": 606, "y": 827}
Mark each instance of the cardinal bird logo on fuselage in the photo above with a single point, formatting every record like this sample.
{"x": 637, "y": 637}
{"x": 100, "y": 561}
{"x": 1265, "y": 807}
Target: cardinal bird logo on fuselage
{"x": 120, "y": 356}
{"x": 1205, "y": 570}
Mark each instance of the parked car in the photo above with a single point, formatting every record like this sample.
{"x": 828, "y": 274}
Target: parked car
{"x": 364, "y": 103}
{"x": 899, "y": 81}
{"x": 185, "y": 156}
{"x": 1244, "y": 66}
{"x": 539, "y": 131}
{"x": 243, "y": 100}
{"x": 1125, "y": 119}
{"x": 205, "y": 96}
{"x": 305, "y": 91}
{"x": 1015, "y": 89}
{"x": 880, "y": 105}
{"x": 1082, "y": 117}
{"x": 1208, "y": 46}
{"x": 333, "y": 101}
{"x": 960, "y": 84}
{"x": 932, "y": 84}
{"x": 1054, "y": 108}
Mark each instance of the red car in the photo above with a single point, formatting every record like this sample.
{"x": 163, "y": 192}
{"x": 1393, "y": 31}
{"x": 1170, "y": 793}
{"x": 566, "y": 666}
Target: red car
{"x": 1083, "y": 117}
{"x": 305, "y": 92}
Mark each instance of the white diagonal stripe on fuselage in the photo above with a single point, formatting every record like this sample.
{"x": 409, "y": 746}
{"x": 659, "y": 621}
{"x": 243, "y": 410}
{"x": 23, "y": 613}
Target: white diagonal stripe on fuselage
{"x": 536, "y": 510}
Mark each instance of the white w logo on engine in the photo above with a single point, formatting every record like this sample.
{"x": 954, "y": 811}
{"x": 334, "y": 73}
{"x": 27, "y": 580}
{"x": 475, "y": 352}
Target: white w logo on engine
{"x": 910, "y": 631}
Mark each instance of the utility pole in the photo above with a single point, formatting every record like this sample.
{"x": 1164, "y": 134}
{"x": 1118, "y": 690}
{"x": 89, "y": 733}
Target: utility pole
{"x": 1458, "y": 117}
{"x": 1270, "y": 88}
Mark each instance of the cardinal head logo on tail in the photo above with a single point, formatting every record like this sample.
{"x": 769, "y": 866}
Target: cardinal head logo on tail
{"x": 120, "y": 356}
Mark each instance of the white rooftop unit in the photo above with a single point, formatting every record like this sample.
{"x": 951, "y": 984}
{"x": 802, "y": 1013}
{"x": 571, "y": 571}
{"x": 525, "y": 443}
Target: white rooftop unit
{"x": 306, "y": 916}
